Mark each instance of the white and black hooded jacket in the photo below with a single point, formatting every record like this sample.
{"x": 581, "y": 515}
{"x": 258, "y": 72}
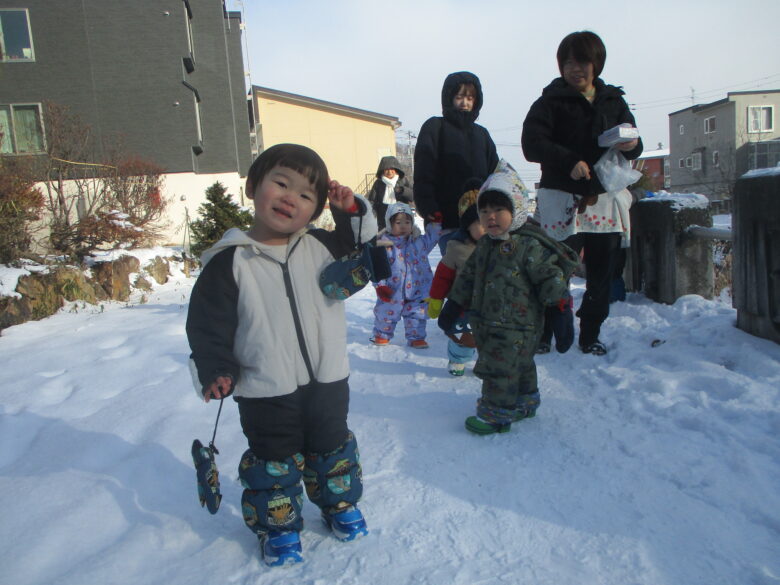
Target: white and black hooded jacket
{"x": 257, "y": 312}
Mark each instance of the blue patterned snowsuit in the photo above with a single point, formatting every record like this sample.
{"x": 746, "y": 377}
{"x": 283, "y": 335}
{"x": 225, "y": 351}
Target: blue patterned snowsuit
{"x": 410, "y": 281}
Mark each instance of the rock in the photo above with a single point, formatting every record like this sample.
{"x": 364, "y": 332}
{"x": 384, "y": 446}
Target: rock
{"x": 159, "y": 270}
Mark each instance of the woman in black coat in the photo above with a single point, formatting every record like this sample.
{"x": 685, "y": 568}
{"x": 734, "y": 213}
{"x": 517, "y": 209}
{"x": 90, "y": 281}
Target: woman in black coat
{"x": 561, "y": 132}
{"x": 391, "y": 185}
{"x": 451, "y": 149}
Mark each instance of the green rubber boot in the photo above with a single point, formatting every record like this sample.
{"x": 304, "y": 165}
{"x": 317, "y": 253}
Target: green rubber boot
{"x": 478, "y": 426}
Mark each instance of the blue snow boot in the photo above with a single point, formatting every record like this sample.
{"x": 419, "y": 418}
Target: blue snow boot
{"x": 348, "y": 524}
{"x": 281, "y": 548}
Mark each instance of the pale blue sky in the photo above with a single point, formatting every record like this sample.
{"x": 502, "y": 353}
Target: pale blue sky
{"x": 392, "y": 57}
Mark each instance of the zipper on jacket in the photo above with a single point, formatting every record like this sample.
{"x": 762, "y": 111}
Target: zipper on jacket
{"x": 296, "y": 317}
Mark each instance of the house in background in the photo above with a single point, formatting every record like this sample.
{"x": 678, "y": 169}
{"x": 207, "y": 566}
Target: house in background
{"x": 712, "y": 145}
{"x": 163, "y": 77}
{"x": 655, "y": 164}
{"x": 350, "y": 141}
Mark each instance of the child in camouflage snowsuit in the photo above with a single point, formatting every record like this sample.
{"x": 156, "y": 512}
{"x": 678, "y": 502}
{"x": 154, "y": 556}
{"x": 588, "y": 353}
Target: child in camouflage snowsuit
{"x": 515, "y": 272}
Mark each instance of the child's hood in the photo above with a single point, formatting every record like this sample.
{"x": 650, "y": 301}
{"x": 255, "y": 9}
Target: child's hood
{"x": 232, "y": 237}
{"x": 236, "y": 237}
{"x": 395, "y": 208}
{"x": 506, "y": 180}
{"x": 451, "y": 85}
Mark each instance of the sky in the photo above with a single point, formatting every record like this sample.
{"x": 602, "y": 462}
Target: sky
{"x": 392, "y": 57}
{"x": 657, "y": 464}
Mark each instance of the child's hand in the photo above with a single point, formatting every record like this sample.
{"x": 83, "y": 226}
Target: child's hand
{"x": 437, "y": 217}
{"x": 222, "y": 387}
{"x": 384, "y": 292}
{"x": 341, "y": 197}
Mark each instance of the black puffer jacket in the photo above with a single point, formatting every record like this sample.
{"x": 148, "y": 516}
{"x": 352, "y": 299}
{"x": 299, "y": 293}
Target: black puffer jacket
{"x": 562, "y": 128}
{"x": 449, "y": 150}
{"x": 403, "y": 191}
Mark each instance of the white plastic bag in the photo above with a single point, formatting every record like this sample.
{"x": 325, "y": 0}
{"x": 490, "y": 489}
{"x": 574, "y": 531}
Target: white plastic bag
{"x": 614, "y": 171}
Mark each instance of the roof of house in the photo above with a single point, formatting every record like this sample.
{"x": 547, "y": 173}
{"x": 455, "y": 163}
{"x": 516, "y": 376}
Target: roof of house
{"x": 658, "y": 153}
{"x": 325, "y": 105}
{"x": 698, "y": 107}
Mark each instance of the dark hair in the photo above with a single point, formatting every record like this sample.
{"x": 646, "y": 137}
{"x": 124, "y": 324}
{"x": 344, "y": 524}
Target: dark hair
{"x": 494, "y": 199}
{"x": 298, "y": 158}
{"x": 584, "y": 47}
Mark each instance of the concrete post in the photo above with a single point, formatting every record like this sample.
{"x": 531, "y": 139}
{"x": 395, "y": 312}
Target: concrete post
{"x": 756, "y": 272}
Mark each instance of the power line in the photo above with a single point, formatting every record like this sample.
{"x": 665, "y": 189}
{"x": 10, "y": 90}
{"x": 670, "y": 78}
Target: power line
{"x": 663, "y": 102}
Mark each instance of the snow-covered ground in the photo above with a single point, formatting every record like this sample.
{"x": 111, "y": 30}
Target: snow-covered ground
{"x": 656, "y": 464}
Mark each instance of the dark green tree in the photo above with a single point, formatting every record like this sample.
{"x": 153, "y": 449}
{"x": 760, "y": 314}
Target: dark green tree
{"x": 217, "y": 215}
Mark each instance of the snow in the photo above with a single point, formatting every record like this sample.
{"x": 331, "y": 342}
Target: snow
{"x": 656, "y": 464}
{"x": 762, "y": 172}
{"x": 10, "y": 275}
{"x": 680, "y": 200}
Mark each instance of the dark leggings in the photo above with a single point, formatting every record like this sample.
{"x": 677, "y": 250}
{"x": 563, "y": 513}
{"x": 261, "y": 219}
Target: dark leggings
{"x": 600, "y": 254}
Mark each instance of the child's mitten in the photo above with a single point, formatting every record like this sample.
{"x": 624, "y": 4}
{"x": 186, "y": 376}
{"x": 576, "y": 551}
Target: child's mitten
{"x": 434, "y": 307}
{"x": 449, "y": 315}
{"x": 385, "y": 293}
{"x": 563, "y": 324}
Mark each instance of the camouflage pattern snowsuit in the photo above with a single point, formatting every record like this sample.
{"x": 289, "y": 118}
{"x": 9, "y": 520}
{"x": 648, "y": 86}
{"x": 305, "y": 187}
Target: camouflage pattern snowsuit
{"x": 505, "y": 285}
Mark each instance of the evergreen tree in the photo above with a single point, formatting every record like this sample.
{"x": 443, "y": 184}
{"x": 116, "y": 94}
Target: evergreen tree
{"x": 217, "y": 215}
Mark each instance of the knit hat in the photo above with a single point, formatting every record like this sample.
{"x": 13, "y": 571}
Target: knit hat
{"x": 507, "y": 182}
{"x": 467, "y": 204}
{"x": 395, "y": 209}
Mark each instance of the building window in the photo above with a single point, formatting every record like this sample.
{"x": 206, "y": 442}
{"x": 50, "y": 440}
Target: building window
{"x": 21, "y": 129}
{"x": 667, "y": 173}
{"x": 709, "y": 125}
{"x": 696, "y": 161}
{"x": 682, "y": 129}
{"x": 15, "y": 36}
{"x": 760, "y": 119}
{"x": 681, "y": 163}
{"x": 688, "y": 162}
{"x": 715, "y": 158}
{"x": 763, "y": 155}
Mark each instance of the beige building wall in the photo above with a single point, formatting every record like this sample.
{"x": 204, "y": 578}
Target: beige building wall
{"x": 350, "y": 141}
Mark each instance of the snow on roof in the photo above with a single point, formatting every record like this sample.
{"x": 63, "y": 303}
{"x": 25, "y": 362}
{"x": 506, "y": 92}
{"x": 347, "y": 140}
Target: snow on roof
{"x": 658, "y": 153}
{"x": 762, "y": 172}
{"x": 680, "y": 200}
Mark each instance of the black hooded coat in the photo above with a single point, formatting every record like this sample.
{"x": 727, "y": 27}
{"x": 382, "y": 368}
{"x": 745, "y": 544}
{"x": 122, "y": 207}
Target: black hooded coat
{"x": 403, "y": 191}
{"x": 450, "y": 150}
{"x": 562, "y": 128}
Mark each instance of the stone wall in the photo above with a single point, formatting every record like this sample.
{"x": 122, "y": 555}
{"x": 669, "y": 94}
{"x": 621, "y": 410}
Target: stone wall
{"x": 44, "y": 293}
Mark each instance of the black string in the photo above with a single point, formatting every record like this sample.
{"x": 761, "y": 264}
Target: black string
{"x": 214, "y": 436}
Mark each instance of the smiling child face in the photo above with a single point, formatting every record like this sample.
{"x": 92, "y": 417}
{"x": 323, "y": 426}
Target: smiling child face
{"x": 285, "y": 202}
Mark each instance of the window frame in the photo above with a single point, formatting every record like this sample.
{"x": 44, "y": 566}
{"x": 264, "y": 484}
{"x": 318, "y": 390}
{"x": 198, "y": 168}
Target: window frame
{"x": 716, "y": 158}
{"x": 3, "y": 52}
{"x": 696, "y": 161}
{"x": 710, "y": 125}
{"x": 681, "y": 163}
{"x": 14, "y": 149}
{"x": 688, "y": 162}
{"x": 682, "y": 129}
{"x": 760, "y": 107}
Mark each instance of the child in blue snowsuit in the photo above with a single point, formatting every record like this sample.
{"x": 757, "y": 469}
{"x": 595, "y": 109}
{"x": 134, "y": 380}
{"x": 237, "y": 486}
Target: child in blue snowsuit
{"x": 403, "y": 294}
{"x": 261, "y": 329}
{"x": 460, "y": 345}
